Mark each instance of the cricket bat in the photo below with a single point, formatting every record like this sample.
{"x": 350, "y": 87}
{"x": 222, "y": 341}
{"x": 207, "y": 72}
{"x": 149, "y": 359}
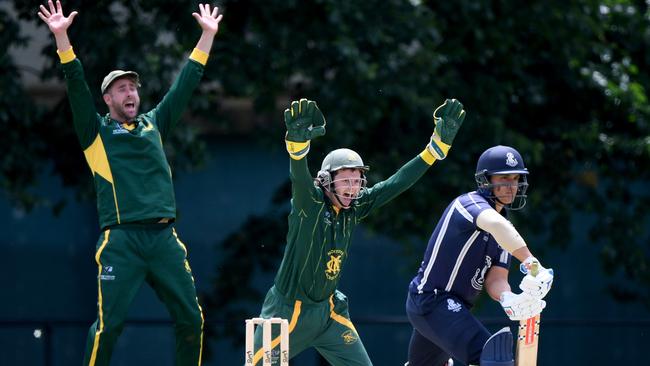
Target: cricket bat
{"x": 528, "y": 335}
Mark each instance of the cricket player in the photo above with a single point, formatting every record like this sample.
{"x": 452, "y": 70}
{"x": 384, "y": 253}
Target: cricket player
{"x": 324, "y": 213}
{"x": 135, "y": 196}
{"x": 471, "y": 248}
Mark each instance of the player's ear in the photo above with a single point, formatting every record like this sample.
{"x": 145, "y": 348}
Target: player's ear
{"x": 107, "y": 98}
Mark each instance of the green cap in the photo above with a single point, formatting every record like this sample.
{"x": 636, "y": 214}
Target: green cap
{"x": 116, "y": 74}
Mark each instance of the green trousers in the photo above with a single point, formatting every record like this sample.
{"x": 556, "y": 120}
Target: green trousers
{"x": 128, "y": 255}
{"x": 326, "y": 326}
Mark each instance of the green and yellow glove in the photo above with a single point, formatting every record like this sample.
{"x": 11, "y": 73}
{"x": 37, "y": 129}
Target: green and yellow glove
{"x": 448, "y": 118}
{"x": 304, "y": 122}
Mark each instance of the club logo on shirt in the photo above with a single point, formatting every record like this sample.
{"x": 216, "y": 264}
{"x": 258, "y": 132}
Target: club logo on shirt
{"x": 453, "y": 306}
{"x": 349, "y": 337}
{"x": 119, "y": 129}
{"x": 107, "y": 273}
{"x": 479, "y": 276}
{"x": 333, "y": 265}
{"x": 511, "y": 161}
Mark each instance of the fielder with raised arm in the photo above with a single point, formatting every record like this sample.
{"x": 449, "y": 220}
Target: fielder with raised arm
{"x": 135, "y": 195}
{"x": 324, "y": 214}
{"x": 471, "y": 248}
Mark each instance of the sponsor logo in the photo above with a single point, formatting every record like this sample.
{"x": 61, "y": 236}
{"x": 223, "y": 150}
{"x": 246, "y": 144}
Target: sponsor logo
{"x": 107, "y": 273}
{"x": 119, "y": 129}
{"x": 333, "y": 265}
{"x": 511, "y": 161}
{"x": 453, "y": 306}
{"x": 327, "y": 219}
{"x": 349, "y": 337}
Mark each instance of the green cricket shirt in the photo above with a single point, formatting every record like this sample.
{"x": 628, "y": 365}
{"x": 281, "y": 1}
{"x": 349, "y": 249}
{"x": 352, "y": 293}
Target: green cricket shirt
{"x": 318, "y": 241}
{"x": 133, "y": 180}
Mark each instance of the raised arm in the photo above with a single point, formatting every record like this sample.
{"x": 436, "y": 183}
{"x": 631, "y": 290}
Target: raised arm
{"x": 209, "y": 22}
{"x": 304, "y": 121}
{"x": 170, "y": 109}
{"x": 85, "y": 117}
{"x": 447, "y": 119}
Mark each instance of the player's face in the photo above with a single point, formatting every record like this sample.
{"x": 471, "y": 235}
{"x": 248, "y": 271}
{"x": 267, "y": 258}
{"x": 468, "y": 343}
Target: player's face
{"x": 505, "y": 187}
{"x": 122, "y": 99}
{"x": 347, "y": 185}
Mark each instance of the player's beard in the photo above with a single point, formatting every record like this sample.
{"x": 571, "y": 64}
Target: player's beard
{"x": 128, "y": 110}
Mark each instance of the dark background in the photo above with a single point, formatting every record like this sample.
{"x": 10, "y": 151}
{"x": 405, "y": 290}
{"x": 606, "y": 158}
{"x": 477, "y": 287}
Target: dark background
{"x": 565, "y": 82}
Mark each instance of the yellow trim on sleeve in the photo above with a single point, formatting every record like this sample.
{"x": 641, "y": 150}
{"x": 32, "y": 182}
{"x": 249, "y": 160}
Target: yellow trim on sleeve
{"x": 296, "y": 147}
{"x": 428, "y": 157}
{"x": 199, "y": 56}
{"x": 66, "y": 56}
{"x": 297, "y": 150}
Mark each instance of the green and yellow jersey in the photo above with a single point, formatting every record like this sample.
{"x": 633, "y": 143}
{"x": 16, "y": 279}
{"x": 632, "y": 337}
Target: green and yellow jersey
{"x": 133, "y": 180}
{"x": 318, "y": 241}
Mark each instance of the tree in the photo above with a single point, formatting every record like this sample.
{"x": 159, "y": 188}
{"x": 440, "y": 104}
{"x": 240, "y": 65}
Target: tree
{"x": 564, "y": 82}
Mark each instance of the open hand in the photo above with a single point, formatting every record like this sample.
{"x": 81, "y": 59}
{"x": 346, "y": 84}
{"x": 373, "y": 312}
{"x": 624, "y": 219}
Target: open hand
{"x": 208, "y": 19}
{"x": 54, "y": 18}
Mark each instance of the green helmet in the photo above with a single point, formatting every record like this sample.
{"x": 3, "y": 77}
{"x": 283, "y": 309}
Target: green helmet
{"x": 337, "y": 160}
{"x": 343, "y": 159}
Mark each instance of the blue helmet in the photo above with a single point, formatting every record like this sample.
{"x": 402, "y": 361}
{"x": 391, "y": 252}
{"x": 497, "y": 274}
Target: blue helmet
{"x": 502, "y": 160}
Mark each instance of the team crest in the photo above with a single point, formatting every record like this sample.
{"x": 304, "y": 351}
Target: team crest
{"x": 479, "y": 275}
{"x": 333, "y": 265}
{"x": 511, "y": 161}
{"x": 349, "y": 337}
{"x": 453, "y": 306}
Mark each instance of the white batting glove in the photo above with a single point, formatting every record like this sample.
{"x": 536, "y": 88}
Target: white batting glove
{"x": 537, "y": 286}
{"x": 520, "y": 306}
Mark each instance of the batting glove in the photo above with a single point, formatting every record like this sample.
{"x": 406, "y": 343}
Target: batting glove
{"x": 520, "y": 306}
{"x": 304, "y": 121}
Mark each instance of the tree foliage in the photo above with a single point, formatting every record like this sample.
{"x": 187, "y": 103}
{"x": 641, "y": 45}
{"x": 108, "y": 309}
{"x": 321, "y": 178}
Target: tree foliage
{"x": 565, "y": 82}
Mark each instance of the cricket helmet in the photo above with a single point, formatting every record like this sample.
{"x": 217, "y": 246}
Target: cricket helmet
{"x": 502, "y": 160}
{"x": 341, "y": 159}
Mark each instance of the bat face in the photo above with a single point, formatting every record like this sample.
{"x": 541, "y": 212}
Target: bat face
{"x": 528, "y": 336}
{"x": 527, "y": 341}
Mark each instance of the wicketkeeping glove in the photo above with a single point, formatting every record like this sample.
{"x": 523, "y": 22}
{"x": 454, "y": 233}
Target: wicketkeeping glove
{"x": 520, "y": 306}
{"x": 448, "y": 118}
{"x": 304, "y": 122}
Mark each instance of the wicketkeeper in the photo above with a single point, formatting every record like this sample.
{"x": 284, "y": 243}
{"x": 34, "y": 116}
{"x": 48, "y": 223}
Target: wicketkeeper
{"x": 324, "y": 213}
{"x": 471, "y": 248}
{"x": 135, "y": 196}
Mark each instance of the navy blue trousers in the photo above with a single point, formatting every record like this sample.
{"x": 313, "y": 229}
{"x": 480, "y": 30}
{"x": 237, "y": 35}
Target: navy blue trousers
{"x": 443, "y": 327}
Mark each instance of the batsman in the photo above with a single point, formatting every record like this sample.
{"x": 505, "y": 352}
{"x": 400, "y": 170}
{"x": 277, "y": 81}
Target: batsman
{"x": 471, "y": 249}
{"x": 324, "y": 213}
{"x": 135, "y": 196}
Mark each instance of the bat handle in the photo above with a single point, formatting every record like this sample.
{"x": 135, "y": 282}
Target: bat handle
{"x": 534, "y": 268}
